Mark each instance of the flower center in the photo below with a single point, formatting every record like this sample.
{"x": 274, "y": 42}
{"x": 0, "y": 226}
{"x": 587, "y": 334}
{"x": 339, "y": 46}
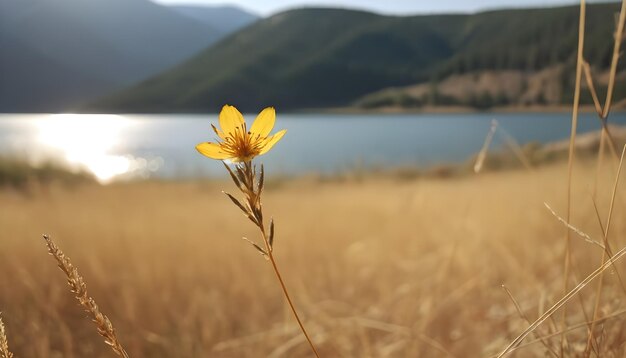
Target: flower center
{"x": 242, "y": 144}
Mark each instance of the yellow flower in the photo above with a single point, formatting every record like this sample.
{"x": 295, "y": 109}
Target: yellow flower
{"x": 238, "y": 144}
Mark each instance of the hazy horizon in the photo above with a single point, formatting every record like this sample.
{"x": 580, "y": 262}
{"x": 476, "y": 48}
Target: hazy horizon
{"x": 397, "y": 7}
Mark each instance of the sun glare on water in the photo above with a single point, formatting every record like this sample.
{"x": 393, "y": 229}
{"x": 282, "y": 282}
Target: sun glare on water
{"x": 88, "y": 142}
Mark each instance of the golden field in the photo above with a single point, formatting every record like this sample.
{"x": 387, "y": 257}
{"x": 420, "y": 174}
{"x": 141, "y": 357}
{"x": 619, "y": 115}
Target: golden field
{"x": 378, "y": 266}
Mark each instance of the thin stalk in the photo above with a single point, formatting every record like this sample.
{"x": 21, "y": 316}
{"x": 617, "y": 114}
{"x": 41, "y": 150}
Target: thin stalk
{"x": 605, "y": 254}
{"x": 596, "y": 102}
{"x": 599, "y": 163}
{"x": 79, "y": 288}
{"x": 483, "y": 151}
{"x": 571, "y": 328}
{"x": 523, "y": 315}
{"x": 570, "y": 162}
{"x": 592, "y": 89}
{"x": 270, "y": 255}
{"x": 618, "y": 41}
{"x": 619, "y": 31}
{"x": 4, "y": 342}
{"x": 517, "y": 149}
{"x": 608, "y": 247}
{"x": 252, "y": 188}
{"x": 519, "y": 339}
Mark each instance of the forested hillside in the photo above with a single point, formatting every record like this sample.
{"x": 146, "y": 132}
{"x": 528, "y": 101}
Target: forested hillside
{"x": 316, "y": 58}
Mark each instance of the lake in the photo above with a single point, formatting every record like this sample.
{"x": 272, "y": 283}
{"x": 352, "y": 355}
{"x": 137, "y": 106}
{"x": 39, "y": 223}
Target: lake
{"x": 121, "y": 146}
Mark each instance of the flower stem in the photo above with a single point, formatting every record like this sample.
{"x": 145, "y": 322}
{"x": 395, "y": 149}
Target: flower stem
{"x": 246, "y": 180}
{"x": 282, "y": 285}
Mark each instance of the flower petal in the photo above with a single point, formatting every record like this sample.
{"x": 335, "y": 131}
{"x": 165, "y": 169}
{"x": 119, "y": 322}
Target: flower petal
{"x": 218, "y": 132}
{"x": 264, "y": 123}
{"x": 213, "y": 151}
{"x": 269, "y": 143}
{"x": 230, "y": 119}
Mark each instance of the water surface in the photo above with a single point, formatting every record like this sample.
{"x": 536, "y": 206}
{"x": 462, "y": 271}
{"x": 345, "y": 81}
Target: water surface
{"x": 114, "y": 146}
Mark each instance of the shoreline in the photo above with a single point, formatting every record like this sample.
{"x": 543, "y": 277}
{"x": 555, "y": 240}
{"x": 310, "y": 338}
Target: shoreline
{"x": 537, "y": 155}
{"x": 460, "y": 110}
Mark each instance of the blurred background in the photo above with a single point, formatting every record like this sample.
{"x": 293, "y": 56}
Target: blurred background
{"x": 394, "y": 240}
{"x": 346, "y": 73}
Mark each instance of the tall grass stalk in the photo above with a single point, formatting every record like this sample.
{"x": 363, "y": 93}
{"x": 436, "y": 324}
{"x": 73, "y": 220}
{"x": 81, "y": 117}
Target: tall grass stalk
{"x": 482, "y": 155}
{"x": 79, "y": 289}
{"x": 605, "y": 254}
{"x": 603, "y": 114}
{"x": 570, "y": 162}
{"x": 518, "y": 340}
{"x": 525, "y": 318}
{"x": 607, "y": 258}
{"x": 4, "y": 342}
{"x": 605, "y": 133}
{"x": 568, "y": 329}
{"x": 616, "y": 48}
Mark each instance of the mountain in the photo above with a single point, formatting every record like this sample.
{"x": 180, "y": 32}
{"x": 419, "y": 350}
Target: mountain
{"x": 55, "y": 54}
{"x": 31, "y": 82}
{"x": 225, "y": 19}
{"x": 315, "y": 58}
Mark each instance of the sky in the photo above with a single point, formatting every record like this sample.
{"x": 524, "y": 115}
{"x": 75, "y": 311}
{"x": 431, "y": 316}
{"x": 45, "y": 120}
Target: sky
{"x": 397, "y": 7}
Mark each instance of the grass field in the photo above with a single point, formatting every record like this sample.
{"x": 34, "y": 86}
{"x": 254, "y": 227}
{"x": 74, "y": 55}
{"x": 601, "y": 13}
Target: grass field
{"x": 378, "y": 266}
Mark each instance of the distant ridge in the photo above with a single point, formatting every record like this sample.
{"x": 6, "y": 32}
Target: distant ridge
{"x": 225, "y": 19}
{"x": 55, "y": 55}
{"x": 318, "y": 58}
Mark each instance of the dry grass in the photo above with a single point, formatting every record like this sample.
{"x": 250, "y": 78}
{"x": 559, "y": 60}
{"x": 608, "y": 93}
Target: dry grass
{"x": 79, "y": 288}
{"x": 4, "y": 343}
{"x": 381, "y": 267}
